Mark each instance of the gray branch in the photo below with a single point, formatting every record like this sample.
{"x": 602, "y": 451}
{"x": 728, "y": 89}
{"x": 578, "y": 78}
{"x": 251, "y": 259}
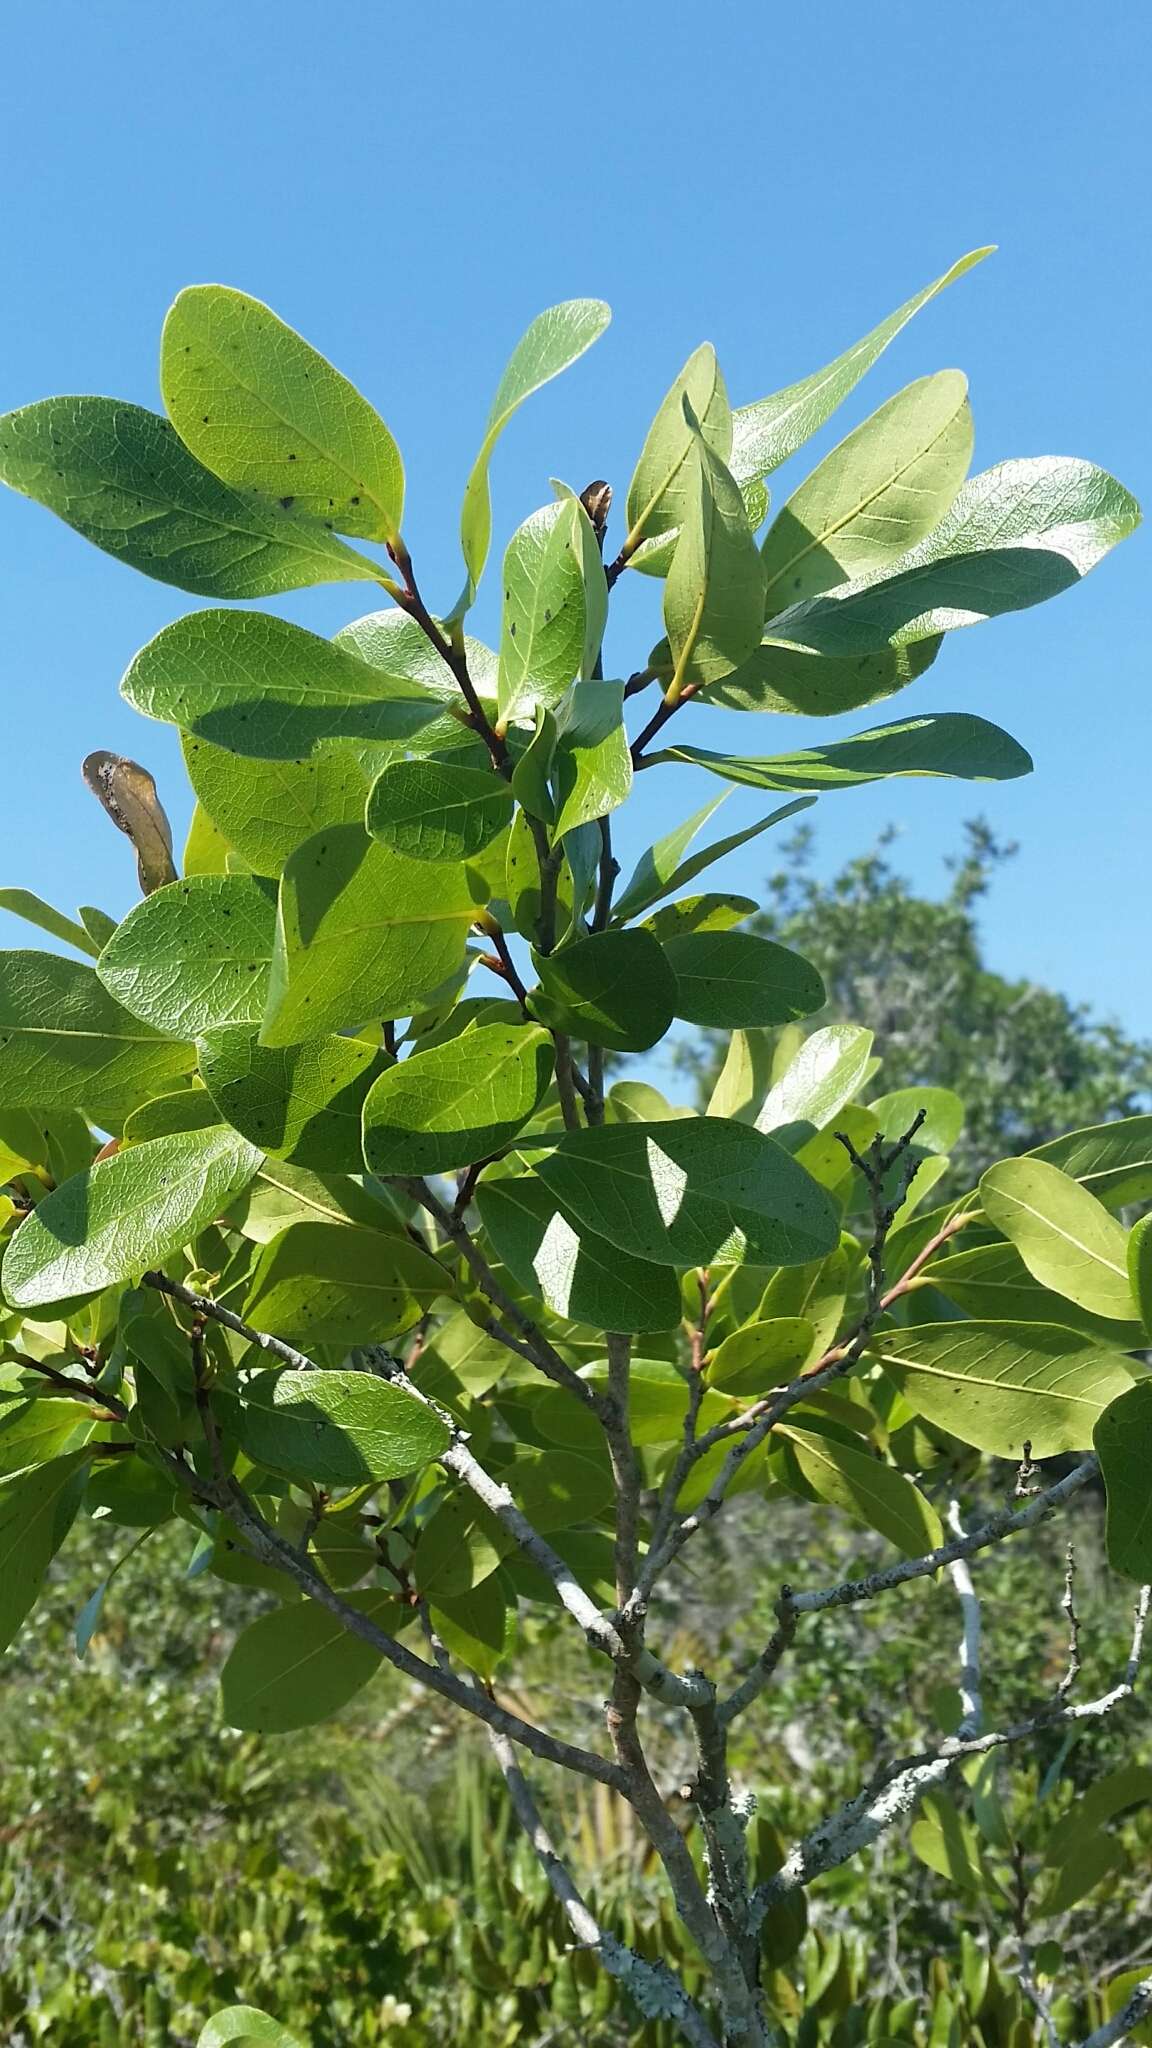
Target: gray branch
{"x": 1122, "y": 2024}
{"x": 971, "y": 1703}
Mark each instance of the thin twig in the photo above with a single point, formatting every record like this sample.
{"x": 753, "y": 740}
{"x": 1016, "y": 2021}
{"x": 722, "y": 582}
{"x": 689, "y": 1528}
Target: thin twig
{"x": 971, "y": 1703}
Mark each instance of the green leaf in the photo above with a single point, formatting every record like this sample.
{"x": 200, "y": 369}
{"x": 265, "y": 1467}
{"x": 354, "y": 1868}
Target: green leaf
{"x": 714, "y": 595}
{"x": 1115, "y": 1793}
{"x": 871, "y": 1492}
{"x": 362, "y": 932}
{"x": 477, "y": 1627}
{"x": 662, "y": 486}
{"x": 1123, "y": 1444}
{"x": 765, "y": 434}
{"x": 555, "y": 339}
{"x": 657, "y": 1401}
{"x": 259, "y": 407}
{"x": 34, "y": 910}
{"x": 125, "y": 1214}
{"x": 563, "y": 1263}
{"x": 817, "y": 1292}
{"x": 194, "y": 955}
{"x": 394, "y": 641}
{"x": 36, "y": 1512}
{"x": 65, "y": 1043}
{"x": 661, "y": 871}
{"x": 123, "y": 479}
{"x": 1113, "y": 1160}
{"x": 951, "y": 743}
{"x": 742, "y": 1082}
{"x": 942, "y": 1840}
{"x": 317, "y": 1285}
{"x": 708, "y": 913}
{"x": 593, "y": 763}
{"x": 614, "y": 988}
{"x": 265, "y": 688}
{"x": 337, "y": 1428}
{"x": 283, "y": 1194}
{"x": 779, "y": 676}
{"x": 458, "y": 1103}
{"x": 1015, "y": 535}
{"x": 35, "y": 1429}
{"x": 992, "y": 1283}
{"x": 542, "y": 633}
{"x": 264, "y": 810}
{"x": 1001, "y": 1385}
{"x": 734, "y": 978}
{"x": 875, "y": 495}
{"x": 1140, "y": 1269}
{"x": 695, "y": 1192}
{"x": 1066, "y": 1238}
{"x": 190, "y": 1110}
{"x": 825, "y": 1074}
{"x": 636, "y": 1102}
{"x": 301, "y": 1102}
{"x": 760, "y": 1356}
{"x": 242, "y": 2026}
{"x": 943, "y": 1121}
{"x": 438, "y": 810}
{"x": 299, "y": 1665}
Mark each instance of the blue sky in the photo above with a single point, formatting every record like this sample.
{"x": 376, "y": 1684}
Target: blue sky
{"x": 409, "y": 186}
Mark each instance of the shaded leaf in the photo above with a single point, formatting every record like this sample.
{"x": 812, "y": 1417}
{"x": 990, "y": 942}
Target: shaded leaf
{"x": 614, "y": 988}
{"x": 949, "y": 743}
{"x": 36, "y": 1512}
{"x": 336, "y": 1428}
{"x": 264, "y": 810}
{"x": 438, "y": 810}
{"x": 867, "y": 1489}
{"x": 1123, "y": 1444}
{"x": 34, "y": 910}
{"x": 299, "y": 1665}
{"x": 353, "y": 1286}
{"x": 562, "y": 1262}
{"x": 593, "y": 764}
{"x": 735, "y": 978}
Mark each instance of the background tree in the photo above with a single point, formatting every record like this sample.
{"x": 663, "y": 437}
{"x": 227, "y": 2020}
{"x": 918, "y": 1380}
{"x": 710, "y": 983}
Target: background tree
{"x": 1026, "y": 1062}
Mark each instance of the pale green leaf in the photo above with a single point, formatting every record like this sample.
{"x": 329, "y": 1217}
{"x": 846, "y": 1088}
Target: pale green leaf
{"x": 457, "y": 1103}
{"x": 714, "y": 594}
{"x": 125, "y": 1214}
{"x": 662, "y": 484}
{"x": 760, "y": 1356}
{"x": 34, "y": 1428}
{"x": 122, "y": 477}
{"x": 1113, "y": 1160}
{"x": 34, "y": 910}
{"x": 875, "y": 495}
{"x": 867, "y": 1489}
{"x": 951, "y": 743}
{"x": 943, "y": 1119}
{"x": 194, "y": 955}
{"x": 742, "y": 1083}
{"x": 265, "y": 809}
{"x": 661, "y": 871}
{"x": 317, "y": 1285}
{"x": 1001, "y": 1385}
{"x": 544, "y": 617}
{"x": 825, "y": 1074}
{"x": 301, "y": 1102}
{"x": 438, "y": 810}
{"x": 779, "y": 676}
{"x": 592, "y": 769}
{"x": 337, "y": 1428}
{"x": 1066, "y": 1238}
{"x": 992, "y": 1283}
{"x": 243, "y": 2026}
{"x": 262, "y": 409}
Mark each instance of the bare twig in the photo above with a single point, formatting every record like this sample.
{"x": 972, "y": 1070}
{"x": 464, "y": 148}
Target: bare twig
{"x": 1117, "y": 2029}
{"x": 971, "y": 1704}
{"x": 1068, "y": 1608}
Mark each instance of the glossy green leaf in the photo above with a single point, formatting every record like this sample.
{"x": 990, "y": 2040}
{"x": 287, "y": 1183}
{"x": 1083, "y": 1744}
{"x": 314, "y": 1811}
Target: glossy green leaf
{"x": 542, "y": 633}
{"x": 714, "y": 594}
{"x": 457, "y": 1103}
{"x": 555, "y": 339}
{"x": 1140, "y": 1269}
{"x": 34, "y": 910}
{"x": 243, "y": 2026}
{"x": 760, "y": 1356}
{"x": 303, "y": 1102}
{"x": 317, "y": 1285}
{"x": 735, "y": 978}
{"x": 1113, "y": 1160}
{"x": 992, "y": 1283}
{"x": 563, "y": 1263}
{"x": 871, "y": 1492}
{"x": 264, "y": 810}
{"x": 825, "y": 1074}
{"x": 261, "y": 408}
{"x": 263, "y": 687}
{"x": 35, "y": 1428}
{"x": 122, "y": 477}
{"x": 952, "y": 743}
{"x": 438, "y": 810}
{"x": 593, "y": 764}
{"x": 662, "y": 485}
{"x": 765, "y": 434}
{"x": 661, "y": 871}
{"x": 362, "y": 933}
{"x": 1066, "y": 1238}
{"x": 1123, "y": 1444}
{"x": 693, "y": 1192}
{"x": 875, "y": 495}
{"x": 194, "y": 955}
{"x": 337, "y": 1428}
{"x": 1016, "y": 535}
{"x": 1001, "y": 1385}
{"x": 614, "y": 988}
{"x": 779, "y": 676}
{"x": 36, "y": 1512}
{"x": 125, "y": 1214}
{"x": 299, "y": 1665}
{"x": 66, "y": 1044}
